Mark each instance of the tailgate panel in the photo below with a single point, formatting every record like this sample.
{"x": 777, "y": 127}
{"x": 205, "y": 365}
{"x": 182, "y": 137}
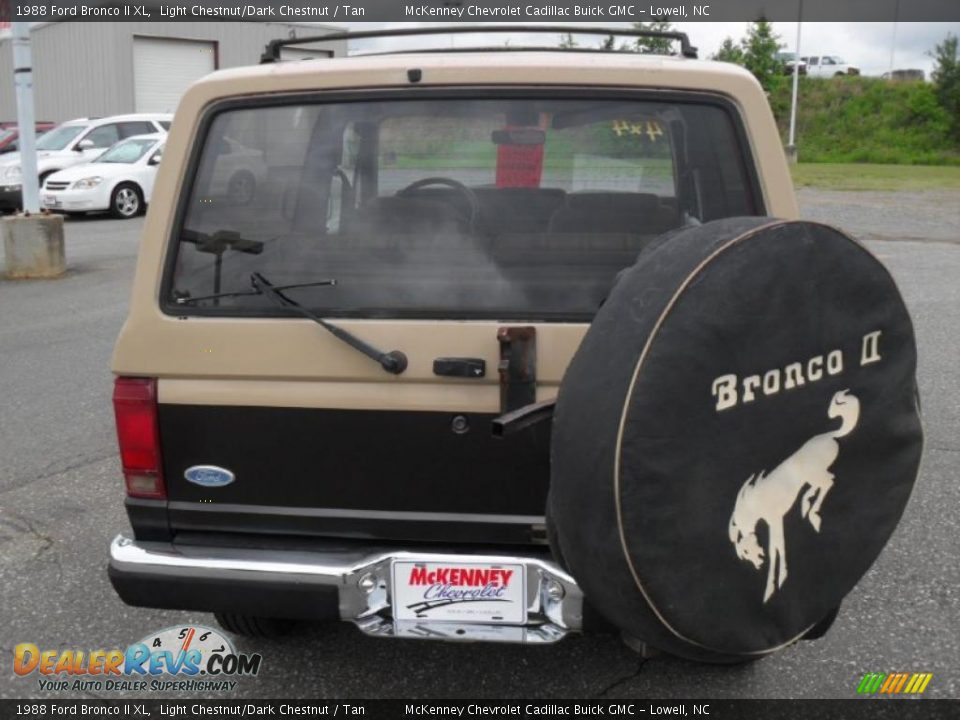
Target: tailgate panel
{"x": 368, "y": 473}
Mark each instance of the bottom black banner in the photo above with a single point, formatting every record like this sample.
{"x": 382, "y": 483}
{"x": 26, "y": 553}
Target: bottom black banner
{"x": 714, "y": 710}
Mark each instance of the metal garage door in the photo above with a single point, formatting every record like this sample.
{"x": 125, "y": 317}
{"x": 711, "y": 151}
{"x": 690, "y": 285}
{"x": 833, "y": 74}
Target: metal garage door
{"x": 288, "y": 53}
{"x": 164, "y": 68}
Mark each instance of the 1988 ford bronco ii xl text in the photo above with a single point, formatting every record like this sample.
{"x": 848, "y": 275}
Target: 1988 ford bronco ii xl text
{"x": 363, "y": 283}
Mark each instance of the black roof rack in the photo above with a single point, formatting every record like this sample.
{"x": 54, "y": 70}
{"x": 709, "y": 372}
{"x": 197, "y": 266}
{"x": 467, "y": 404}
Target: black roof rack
{"x": 272, "y": 51}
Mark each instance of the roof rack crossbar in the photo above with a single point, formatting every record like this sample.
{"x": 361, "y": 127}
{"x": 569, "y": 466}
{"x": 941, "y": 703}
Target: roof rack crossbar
{"x": 272, "y": 51}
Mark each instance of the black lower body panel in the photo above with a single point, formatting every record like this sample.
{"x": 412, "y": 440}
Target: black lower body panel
{"x": 398, "y": 475}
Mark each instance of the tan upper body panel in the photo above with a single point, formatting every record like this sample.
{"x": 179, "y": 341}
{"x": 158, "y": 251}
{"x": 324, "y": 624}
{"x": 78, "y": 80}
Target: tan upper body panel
{"x": 210, "y": 360}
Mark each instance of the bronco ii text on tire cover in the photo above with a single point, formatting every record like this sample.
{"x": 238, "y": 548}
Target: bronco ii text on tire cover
{"x": 335, "y": 391}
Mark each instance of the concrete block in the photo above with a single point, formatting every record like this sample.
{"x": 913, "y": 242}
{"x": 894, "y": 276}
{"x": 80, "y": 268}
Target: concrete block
{"x": 33, "y": 246}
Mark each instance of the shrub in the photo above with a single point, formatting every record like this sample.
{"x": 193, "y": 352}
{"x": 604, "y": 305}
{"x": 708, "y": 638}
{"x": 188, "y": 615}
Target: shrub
{"x": 860, "y": 119}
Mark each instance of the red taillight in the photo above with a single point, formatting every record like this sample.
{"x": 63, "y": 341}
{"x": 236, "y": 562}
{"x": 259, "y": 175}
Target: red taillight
{"x": 135, "y": 406}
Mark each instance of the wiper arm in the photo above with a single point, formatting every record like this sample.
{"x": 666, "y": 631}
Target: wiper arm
{"x": 393, "y": 362}
{"x": 186, "y": 300}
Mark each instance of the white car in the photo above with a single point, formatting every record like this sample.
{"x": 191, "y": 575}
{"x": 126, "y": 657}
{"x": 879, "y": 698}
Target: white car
{"x": 73, "y": 143}
{"x": 828, "y": 66}
{"x": 789, "y": 60}
{"x": 120, "y": 180}
{"x": 237, "y": 172}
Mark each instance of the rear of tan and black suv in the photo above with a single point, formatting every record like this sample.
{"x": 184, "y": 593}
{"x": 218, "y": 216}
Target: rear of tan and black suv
{"x": 347, "y": 276}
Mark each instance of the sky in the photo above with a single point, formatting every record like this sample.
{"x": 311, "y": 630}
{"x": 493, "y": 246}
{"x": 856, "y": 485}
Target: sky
{"x": 864, "y": 45}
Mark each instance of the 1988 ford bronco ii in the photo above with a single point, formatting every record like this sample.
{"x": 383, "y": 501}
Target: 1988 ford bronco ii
{"x": 365, "y": 281}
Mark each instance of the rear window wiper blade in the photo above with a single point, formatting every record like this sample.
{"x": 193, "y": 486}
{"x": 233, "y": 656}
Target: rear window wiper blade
{"x": 393, "y": 361}
{"x": 187, "y": 300}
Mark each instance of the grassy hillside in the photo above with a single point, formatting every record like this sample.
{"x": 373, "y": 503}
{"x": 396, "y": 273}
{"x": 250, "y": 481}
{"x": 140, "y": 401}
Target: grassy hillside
{"x": 846, "y": 176}
{"x": 859, "y": 119}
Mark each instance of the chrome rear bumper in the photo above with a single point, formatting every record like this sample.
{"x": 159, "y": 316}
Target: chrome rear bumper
{"x": 360, "y": 580}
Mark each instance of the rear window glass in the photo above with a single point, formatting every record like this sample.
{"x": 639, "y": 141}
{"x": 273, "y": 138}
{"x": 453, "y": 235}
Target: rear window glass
{"x": 467, "y": 208}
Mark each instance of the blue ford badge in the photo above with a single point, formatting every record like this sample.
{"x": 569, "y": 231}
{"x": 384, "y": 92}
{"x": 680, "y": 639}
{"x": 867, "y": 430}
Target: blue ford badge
{"x": 208, "y": 475}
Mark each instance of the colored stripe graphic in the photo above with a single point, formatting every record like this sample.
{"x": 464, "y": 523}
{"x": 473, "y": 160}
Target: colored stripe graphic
{"x": 901, "y": 682}
{"x": 871, "y": 683}
{"x": 894, "y": 683}
{"x": 890, "y": 682}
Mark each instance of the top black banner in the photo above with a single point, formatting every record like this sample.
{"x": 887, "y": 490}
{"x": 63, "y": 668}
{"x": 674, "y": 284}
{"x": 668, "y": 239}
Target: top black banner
{"x": 474, "y": 11}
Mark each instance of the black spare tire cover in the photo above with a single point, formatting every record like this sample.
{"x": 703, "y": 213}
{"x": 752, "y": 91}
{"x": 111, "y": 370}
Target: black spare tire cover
{"x": 736, "y": 437}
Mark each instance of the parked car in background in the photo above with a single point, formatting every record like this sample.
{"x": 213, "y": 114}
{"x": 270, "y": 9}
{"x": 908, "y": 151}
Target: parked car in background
{"x": 8, "y": 140}
{"x": 789, "y": 59}
{"x": 10, "y": 135}
{"x": 73, "y": 143}
{"x": 906, "y": 75}
{"x": 41, "y": 125}
{"x": 828, "y": 66}
{"x": 237, "y": 172}
{"x": 120, "y": 180}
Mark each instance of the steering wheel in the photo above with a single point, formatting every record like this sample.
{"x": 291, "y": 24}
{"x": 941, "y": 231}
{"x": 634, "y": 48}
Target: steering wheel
{"x": 469, "y": 195}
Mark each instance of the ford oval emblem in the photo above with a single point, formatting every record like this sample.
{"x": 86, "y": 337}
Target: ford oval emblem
{"x": 208, "y": 476}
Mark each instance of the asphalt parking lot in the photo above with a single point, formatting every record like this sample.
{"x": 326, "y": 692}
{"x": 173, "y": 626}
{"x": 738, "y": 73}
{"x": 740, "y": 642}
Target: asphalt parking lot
{"x": 61, "y": 503}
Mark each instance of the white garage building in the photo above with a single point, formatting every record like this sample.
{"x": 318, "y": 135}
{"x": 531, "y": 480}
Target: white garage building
{"x": 93, "y": 69}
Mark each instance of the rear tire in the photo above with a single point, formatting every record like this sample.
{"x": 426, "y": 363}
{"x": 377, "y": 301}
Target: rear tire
{"x": 252, "y": 626}
{"x": 641, "y": 516}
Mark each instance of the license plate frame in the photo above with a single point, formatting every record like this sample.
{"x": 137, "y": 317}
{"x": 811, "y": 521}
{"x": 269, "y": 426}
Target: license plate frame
{"x": 459, "y": 592}
{"x": 51, "y": 201}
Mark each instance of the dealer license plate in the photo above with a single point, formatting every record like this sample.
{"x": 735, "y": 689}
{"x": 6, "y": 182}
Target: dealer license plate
{"x": 51, "y": 201}
{"x": 459, "y": 592}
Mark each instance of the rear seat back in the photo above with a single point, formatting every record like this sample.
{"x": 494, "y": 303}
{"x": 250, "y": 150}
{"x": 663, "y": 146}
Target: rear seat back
{"x": 518, "y": 210}
{"x": 408, "y": 215}
{"x": 612, "y": 212}
{"x": 519, "y": 227}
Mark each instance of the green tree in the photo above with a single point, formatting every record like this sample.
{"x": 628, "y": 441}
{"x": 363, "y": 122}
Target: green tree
{"x": 729, "y": 52}
{"x": 760, "y": 48}
{"x": 609, "y": 43}
{"x": 645, "y": 45}
{"x": 946, "y": 80}
{"x": 654, "y": 45}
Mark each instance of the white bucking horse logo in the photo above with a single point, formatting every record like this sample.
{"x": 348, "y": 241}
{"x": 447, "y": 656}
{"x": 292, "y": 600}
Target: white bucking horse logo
{"x": 770, "y": 497}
